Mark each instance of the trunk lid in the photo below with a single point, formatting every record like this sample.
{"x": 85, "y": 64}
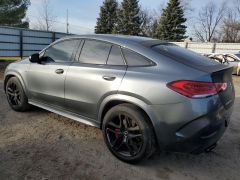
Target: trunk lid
{"x": 225, "y": 76}
{"x": 220, "y": 73}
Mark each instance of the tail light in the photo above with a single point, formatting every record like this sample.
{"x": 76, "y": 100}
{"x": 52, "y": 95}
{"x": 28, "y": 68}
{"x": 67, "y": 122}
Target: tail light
{"x": 196, "y": 89}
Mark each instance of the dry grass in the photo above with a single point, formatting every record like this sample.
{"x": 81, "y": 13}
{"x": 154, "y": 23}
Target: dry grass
{"x": 9, "y": 58}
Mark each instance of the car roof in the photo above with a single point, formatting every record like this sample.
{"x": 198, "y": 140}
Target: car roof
{"x": 123, "y": 40}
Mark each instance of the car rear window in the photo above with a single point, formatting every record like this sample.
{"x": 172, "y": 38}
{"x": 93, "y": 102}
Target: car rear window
{"x": 184, "y": 56}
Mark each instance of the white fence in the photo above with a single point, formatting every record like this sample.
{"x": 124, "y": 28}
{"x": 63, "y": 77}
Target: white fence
{"x": 210, "y": 47}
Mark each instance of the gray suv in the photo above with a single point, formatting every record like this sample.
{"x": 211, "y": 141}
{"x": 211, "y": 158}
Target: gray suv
{"x": 143, "y": 93}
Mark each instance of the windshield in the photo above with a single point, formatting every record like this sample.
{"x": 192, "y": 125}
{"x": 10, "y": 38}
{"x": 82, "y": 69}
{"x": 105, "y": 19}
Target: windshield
{"x": 184, "y": 56}
{"x": 238, "y": 55}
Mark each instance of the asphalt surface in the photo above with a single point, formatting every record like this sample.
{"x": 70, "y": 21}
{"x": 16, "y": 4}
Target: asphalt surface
{"x": 42, "y": 145}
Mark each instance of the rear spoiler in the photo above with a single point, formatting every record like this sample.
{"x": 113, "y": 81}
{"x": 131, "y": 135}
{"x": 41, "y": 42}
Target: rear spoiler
{"x": 215, "y": 68}
{"x": 152, "y": 43}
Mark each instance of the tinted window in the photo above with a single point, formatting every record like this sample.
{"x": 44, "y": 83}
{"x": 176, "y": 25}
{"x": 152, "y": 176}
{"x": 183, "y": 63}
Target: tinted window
{"x": 115, "y": 56}
{"x": 62, "y": 51}
{"x": 134, "y": 59}
{"x": 95, "y": 52}
{"x": 184, "y": 56}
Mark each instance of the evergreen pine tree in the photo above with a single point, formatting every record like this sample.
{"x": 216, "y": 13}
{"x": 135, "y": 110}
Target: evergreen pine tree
{"x": 12, "y": 13}
{"x": 107, "y": 17}
{"x": 118, "y": 27}
{"x": 171, "y": 25}
{"x": 128, "y": 18}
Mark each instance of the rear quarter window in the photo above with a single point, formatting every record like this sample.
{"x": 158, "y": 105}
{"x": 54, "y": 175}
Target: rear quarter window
{"x": 184, "y": 56}
{"x": 135, "y": 59}
{"x": 115, "y": 56}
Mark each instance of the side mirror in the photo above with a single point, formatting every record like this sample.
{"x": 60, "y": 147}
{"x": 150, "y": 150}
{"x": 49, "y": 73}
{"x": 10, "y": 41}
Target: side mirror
{"x": 35, "y": 58}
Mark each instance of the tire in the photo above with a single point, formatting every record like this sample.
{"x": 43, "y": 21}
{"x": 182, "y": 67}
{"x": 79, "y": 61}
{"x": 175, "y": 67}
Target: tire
{"x": 16, "y": 96}
{"x": 131, "y": 140}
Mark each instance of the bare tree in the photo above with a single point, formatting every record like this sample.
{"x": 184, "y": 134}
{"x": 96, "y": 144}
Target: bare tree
{"x": 189, "y": 15}
{"x": 187, "y": 7}
{"x": 46, "y": 19}
{"x": 209, "y": 20}
{"x": 237, "y": 5}
{"x": 231, "y": 27}
{"x": 149, "y": 22}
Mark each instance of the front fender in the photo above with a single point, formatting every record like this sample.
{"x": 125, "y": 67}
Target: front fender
{"x": 14, "y": 73}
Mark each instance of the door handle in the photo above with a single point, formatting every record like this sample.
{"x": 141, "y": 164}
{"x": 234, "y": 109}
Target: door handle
{"x": 59, "y": 71}
{"x": 109, "y": 78}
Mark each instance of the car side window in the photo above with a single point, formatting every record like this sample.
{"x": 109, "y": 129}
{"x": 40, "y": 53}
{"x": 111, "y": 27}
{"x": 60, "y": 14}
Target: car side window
{"x": 115, "y": 56}
{"x": 94, "y": 52}
{"x": 61, "y": 52}
{"x": 135, "y": 59}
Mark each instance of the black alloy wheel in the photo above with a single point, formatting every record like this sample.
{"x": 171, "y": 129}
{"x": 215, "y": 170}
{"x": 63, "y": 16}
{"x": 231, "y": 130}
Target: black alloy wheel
{"x": 16, "y": 96}
{"x": 124, "y": 135}
{"x": 128, "y": 134}
{"x": 13, "y": 94}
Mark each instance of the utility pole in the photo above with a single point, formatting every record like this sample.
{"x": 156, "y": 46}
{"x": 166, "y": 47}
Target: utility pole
{"x": 67, "y": 23}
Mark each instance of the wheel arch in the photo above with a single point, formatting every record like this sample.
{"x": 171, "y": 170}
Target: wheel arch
{"x": 115, "y": 100}
{"x": 14, "y": 74}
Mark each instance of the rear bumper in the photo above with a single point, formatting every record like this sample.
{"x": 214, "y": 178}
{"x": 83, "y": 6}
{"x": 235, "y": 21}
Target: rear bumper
{"x": 192, "y": 129}
{"x": 199, "y": 135}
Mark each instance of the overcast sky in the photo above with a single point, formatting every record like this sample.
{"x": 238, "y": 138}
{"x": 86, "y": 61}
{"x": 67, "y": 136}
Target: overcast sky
{"x": 83, "y": 13}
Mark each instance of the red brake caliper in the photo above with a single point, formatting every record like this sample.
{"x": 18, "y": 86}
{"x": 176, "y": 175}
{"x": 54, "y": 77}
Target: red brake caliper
{"x": 117, "y": 132}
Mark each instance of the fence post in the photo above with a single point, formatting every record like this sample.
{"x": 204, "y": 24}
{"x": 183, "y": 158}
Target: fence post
{"x": 186, "y": 45}
{"x": 214, "y": 48}
{"x": 53, "y": 36}
{"x": 21, "y": 43}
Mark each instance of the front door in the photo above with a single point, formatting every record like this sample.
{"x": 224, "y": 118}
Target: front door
{"x": 46, "y": 80}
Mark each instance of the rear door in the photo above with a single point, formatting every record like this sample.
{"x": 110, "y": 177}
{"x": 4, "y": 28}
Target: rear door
{"x": 46, "y": 80}
{"x": 97, "y": 75}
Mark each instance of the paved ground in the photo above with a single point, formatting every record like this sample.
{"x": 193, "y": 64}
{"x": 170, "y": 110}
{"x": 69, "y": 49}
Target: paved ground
{"x": 43, "y": 145}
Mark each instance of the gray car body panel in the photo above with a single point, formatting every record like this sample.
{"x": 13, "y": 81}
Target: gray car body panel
{"x": 45, "y": 85}
{"x": 81, "y": 93}
{"x": 85, "y": 87}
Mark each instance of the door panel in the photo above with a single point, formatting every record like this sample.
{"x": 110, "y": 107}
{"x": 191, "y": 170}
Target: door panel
{"x": 46, "y": 80}
{"x": 85, "y": 86}
{"x": 46, "y": 84}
